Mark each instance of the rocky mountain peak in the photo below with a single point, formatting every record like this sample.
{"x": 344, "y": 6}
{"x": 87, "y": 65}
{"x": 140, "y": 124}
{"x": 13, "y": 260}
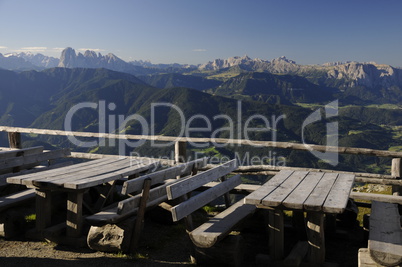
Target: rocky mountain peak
{"x": 244, "y": 61}
{"x": 283, "y": 59}
{"x": 90, "y": 54}
{"x": 68, "y": 58}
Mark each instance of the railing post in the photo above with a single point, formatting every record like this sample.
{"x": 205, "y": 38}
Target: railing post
{"x": 14, "y": 139}
{"x": 396, "y": 172}
{"x": 180, "y": 149}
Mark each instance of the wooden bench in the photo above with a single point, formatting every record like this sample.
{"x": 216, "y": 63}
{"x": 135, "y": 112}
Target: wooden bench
{"x": 144, "y": 192}
{"x": 217, "y": 228}
{"x": 18, "y": 162}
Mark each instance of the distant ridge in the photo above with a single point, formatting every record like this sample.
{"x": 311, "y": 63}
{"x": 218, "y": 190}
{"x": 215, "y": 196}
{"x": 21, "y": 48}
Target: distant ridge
{"x": 70, "y": 59}
{"x": 352, "y": 77}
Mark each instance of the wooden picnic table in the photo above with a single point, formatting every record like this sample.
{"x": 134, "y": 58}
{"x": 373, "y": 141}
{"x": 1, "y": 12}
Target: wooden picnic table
{"x": 315, "y": 193}
{"x": 76, "y": 180}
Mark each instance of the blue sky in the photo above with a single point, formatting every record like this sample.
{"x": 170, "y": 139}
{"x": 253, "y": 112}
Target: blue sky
{"x": 188, "y": 31}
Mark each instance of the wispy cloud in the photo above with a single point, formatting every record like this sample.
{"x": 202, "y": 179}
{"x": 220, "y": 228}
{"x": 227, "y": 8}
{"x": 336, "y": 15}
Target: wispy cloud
{"x": 33, "y": 49}
{"x": 199, "y": 50}
{"x": 92, "y": 49}
{"x": 58, "y": 49}
{"x": 3, "y": 47}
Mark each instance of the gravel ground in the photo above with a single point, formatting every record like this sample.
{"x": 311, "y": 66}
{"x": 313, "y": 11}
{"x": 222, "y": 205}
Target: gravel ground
{"x": 163, "y": 245}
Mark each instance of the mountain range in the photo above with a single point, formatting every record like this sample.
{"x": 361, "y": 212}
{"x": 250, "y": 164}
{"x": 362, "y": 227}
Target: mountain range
{"x": 341, "y": 75}
{"x": 42, "y": 99}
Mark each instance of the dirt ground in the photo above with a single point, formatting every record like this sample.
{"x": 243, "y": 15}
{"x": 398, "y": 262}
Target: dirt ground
{"x": 163, "y": 252}
{"x": 167, "y": 245}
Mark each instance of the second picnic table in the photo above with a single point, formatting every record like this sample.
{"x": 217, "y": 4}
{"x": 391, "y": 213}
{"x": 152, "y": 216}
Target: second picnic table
{"x": 75, "y": 180}
{"x": 316, "y": 193}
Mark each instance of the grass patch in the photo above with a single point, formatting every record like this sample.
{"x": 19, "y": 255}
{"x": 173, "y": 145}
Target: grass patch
{"x": 370, "y": 188}
{"x": 140, "y": 256}
{"x": 209, "y": 152}
{"x": 385, "y": 106}
{"x": 362, "y": 211}
{"x": 395, "y": 148}
{"x": 352, "y": 132}
{"x": 30, "y": 218}
{"x": 309, "y": 106}
{"x": 94, "y": 150}
{"x": 210, "y": 209}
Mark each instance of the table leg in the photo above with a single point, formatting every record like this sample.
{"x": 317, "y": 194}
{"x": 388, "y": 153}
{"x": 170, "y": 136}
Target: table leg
{"x": 43, "y": 209}
{"x": 316, "y": 239}
{"x": 276, "y": 235}
{"x": 74, "y": 213}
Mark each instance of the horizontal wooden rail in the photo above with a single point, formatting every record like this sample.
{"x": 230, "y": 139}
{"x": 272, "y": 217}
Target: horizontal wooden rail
{"x": 273, "y": 144}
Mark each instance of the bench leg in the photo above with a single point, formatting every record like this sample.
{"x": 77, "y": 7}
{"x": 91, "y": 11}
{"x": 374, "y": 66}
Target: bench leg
{"x": 74, "y": 213}
{"x": 276, "y": 234}
{"x": 316, "y": 240}
{"x": 135, "y": 238}
{"x": 43, "y": 209}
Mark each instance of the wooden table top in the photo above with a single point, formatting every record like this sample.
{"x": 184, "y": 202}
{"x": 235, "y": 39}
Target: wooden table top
{"x": 83, "y": 175}
{"x": 304, "y": 190}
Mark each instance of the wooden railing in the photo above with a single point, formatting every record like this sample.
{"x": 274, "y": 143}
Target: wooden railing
{"x": 394, "y": 179}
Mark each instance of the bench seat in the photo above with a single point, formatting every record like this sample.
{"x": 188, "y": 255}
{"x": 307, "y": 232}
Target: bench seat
{"x": 218, "y": 227}
{"x": 19, "y": 162}
{"x": 128, "y": 207}
{"x": 16, "y": 199}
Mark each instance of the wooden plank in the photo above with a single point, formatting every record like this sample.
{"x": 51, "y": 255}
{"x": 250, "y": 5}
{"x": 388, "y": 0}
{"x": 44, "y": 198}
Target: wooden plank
{"x": 385, "y": 236}
{"x": 110, "y": 215}
{"x": 16, "y": 199}
{"x": 275, "y": 144}
{"x": 277, "y": 196}
{"x": 21, "y": 152}
{"x": 296, "y": 199}
{"x": 376, "y": 197}
{"x": 4, "y": 177}
{"x": 256, "y": 197}
{"x": 337, "y": 198}
{"x": 397, "y": 182}
{"x": 134, "y": 185}
{"x": 105, "y": 193}
{"x": 317, "y": 198}
{"x": 84, "y": 173}
{"x": 242, "y": 187}
{"x": 129, "y": 204}
{"x": 92, "y": 171}
{"x": 135, "y": 238}
{"x": 35, "y": 158}
{"x": 66, "y": 169}
{"x": 43, "y": 209}
{"x": 187, "y": 185}
{"x": 207, "y": 234}
{"x": 185, "y": 208}
{"x": 84, "y": 165}
{"x": 180, "y": 149}
{"x": 74, "y": 219}
{"x": 14, "y": 139}
{"x": 276, "y": 233}
{"x": 316, "y": 238}
{"x": 60, "y": 177}
{"x": 101, "y": 179}
{"x": 9, "y": 156}
{"x": 396, "y": 173}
